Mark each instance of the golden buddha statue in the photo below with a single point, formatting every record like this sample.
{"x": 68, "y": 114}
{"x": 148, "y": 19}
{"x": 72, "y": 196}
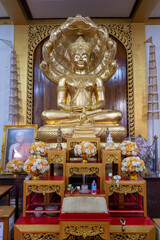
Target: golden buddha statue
{"x": 79, "y": 57}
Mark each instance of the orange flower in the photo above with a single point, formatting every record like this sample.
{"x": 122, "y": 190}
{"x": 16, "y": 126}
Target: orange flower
{"x": 28, "y": 168}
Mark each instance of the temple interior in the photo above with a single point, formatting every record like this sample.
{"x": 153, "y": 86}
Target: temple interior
{"x": 79, "y": 126}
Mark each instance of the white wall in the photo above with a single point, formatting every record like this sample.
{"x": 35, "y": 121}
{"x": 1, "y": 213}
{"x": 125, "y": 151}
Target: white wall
{"x": 7, "y": 33}
{"x": 154, "y": 32}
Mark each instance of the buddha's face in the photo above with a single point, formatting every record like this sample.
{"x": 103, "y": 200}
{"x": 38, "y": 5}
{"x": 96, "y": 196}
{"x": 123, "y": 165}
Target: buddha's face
{"x": 81, "y": 59}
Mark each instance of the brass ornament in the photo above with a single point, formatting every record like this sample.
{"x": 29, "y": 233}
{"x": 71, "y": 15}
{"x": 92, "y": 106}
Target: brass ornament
{"x": 125, "y": 189}
{"x": 43, "y": 189}
{"x": 41, "y": 236}
{"x": 84, "y": 231}
{"x": 84, "y": 170}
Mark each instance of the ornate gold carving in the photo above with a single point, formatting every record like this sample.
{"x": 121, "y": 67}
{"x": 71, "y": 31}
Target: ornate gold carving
{"x": 111, "y": 158}
{"x": 35, "y": 35}
{"x": 122, "y": 32}
{"x": 84, "y": 170}
{"x": 43, "y": 189}
{"x": 41, "y": 236}
{"x": 125, "y": 189}
{"x": 84, "y": 231}
{"x": 128, "y": 236}
{"x": 56, "y": 159}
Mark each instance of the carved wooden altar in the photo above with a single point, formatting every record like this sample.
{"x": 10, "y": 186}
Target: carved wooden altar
{"x": 45, "y": 185}
{"x": 128, "y": 187}
{"x": 31, "y": 227}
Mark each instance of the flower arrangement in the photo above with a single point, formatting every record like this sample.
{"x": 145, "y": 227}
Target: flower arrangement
{"x": 145, "y": 151}
{"x": 15, "y": 166}
{"x": 85, "y": 149}
{"x": 36, "y": 165}
{"x": 38, "y": 148}
{"x": 129, "y": 148}
{"x": 133, "y": 164}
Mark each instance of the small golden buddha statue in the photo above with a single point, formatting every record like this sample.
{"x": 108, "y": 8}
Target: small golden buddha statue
{"x": 80, "y": 80}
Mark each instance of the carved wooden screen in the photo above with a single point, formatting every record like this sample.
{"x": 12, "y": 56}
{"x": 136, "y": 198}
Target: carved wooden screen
{"x": 45, "y": 92}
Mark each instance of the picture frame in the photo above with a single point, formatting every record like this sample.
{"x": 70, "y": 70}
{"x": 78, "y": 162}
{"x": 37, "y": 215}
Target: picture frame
{"x": 16, "y": 142}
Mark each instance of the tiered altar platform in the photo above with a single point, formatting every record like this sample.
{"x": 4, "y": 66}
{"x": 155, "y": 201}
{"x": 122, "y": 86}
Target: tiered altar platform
{"x": 49, "y": 228}
{"x": 126, "y": 201}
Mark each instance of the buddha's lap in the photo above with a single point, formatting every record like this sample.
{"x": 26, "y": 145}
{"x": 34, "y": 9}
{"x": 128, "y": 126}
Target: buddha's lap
{"x": 96, "y": 115}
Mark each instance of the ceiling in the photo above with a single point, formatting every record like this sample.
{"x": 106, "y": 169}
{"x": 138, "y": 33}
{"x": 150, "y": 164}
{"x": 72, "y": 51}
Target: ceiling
{"x": 27, "y": 11}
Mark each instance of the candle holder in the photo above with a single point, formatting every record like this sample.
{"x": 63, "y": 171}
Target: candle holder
{"x": 84, "y": 186}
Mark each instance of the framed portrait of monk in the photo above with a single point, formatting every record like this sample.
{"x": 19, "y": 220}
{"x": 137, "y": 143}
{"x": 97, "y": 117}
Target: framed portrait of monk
{"x": 16, "y": 142}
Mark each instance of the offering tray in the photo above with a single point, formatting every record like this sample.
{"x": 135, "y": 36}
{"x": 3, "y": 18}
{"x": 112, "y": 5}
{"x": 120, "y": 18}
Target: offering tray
{"x": 84, "y": 191}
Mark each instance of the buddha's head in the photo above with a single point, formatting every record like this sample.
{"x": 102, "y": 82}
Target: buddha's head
{"x": 80, "y": 52}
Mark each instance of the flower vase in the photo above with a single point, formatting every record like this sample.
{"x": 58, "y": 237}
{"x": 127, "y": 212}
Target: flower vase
{"x": 35, "y": 176}
{"x": 15, "y": 174}
{"x": 133, "y": 175}
{"x": 85, "y": 160}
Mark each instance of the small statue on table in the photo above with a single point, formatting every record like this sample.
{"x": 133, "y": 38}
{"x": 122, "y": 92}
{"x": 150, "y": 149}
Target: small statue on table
{"x": 59, "y": 139}
{"x": 110, "y": 142}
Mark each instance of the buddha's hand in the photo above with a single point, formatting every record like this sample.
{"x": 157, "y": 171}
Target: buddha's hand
{"x": 98, "y": 105}
{"x": 76, "y": 109}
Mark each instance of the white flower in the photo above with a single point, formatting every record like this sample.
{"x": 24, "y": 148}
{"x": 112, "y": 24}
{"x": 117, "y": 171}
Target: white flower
{"x": 79, "y": 151}
{"x": 38, "y": 149}
{"x": 79, "y": 146}
{"x": 38, "y": 160}
{"x": 125, "y": 164}
{"x": 88, "y": 151}
{"x": 138, "y": 163}
{"x": 46, "y": 161}
{"x": 42, "y": 150}
{"x": 31, "y": 151}
{"x": 123, "y": 169}
{"x": 33, "y": 168}
{"x": 93, "y": 151}
{"x": 134, "y": 163}
{"x": 86, "y": 144}
{"x": 35, "y": 163}
{"x": 13, "y": 165}
{"x": 42, "y": 171}
{"x": 24, "y": 168}
{"x": 28, "y": 177}
{"x": 137, "y": 169}
{"x": 141, "y": 169}
{"x": 39, "y": 166}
